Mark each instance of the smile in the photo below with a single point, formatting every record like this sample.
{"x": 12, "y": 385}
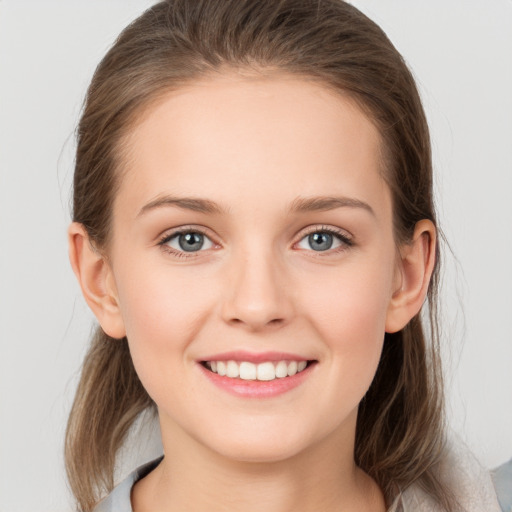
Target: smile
{"x": 265, "y": 371}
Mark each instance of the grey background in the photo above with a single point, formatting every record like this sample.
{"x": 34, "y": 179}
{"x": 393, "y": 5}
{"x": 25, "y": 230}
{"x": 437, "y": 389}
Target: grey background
{"x": 461, "y": 54}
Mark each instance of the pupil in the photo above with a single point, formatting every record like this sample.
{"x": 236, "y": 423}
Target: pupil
{"x": 191, "y": 242}
{"x": 320, "y": 241}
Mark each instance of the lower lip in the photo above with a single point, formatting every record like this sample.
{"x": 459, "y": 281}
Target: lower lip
{"x": 258, "y": 388}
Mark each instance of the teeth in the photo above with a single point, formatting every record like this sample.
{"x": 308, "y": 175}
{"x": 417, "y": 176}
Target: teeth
{"x": 281, "y": 369}
{"x": 221, "y": 368}
{"x": 232, "y": 370}
{"x": 266, "y": 371}
{"x": 250, "y": 371}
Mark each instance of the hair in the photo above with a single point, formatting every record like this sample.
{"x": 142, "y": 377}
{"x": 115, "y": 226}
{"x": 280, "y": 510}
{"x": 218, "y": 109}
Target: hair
{"x": 400, "y": 426}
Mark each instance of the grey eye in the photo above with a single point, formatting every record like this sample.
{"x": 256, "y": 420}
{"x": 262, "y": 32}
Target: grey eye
{"x": 191, "y": 241}
{"x": 320, "y": 241}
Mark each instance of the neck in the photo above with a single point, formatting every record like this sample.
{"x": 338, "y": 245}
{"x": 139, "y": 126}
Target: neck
{"x": 194, "y": 478}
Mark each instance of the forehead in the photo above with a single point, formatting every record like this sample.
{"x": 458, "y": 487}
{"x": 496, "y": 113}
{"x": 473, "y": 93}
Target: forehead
{"x": 231, "y": 138}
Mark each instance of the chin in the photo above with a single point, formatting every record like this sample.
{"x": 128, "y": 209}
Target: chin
{"x": 259, "y": 452}
{"x": 261, "y": 443}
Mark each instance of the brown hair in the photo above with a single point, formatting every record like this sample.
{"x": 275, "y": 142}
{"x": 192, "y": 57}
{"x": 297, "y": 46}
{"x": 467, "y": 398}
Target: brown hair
{"x": 399, "y": 437}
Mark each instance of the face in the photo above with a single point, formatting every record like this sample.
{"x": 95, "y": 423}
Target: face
{"x": 252, "y": 235}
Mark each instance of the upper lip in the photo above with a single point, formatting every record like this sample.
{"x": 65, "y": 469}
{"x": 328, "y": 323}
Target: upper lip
{"x": 255, "y": 357}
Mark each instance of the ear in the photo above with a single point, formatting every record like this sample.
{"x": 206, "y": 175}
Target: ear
{"x": 416, "y": 263}
{"x": 96, "y": 279}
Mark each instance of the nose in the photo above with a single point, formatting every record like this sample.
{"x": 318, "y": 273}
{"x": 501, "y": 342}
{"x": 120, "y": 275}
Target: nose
{"x": 257, "y": 292}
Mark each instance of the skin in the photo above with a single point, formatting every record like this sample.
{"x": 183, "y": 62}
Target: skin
{"x": 255, "y": 147}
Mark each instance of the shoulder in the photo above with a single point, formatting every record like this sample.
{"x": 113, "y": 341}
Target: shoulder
{"x": 502, "y": 478}
{"x": 470, "y": 481}
{"x": 119, "y": 499}
{"x": 465, "y": 477}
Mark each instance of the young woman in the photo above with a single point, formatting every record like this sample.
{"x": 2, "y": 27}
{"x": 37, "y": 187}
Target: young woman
{"x": 254, "y": 230}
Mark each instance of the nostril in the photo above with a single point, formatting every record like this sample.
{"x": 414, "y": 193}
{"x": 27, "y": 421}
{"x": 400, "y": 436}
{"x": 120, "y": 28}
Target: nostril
{"x": 275, "y": 322}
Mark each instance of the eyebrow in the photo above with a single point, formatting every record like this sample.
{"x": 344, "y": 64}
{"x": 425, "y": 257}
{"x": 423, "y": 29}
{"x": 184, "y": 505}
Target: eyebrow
{"x": 299, "y": 205}
{"x": 186, "y": 203}
{"x": 326, "y": 203}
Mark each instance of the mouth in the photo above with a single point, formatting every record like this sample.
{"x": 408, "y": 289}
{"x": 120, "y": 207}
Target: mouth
{"x": 265, "y": 371}
{"x": 262, "y": 375}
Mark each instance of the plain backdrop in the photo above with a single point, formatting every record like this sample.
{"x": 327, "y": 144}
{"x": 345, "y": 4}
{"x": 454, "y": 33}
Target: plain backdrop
{"x": 461, "y": 55}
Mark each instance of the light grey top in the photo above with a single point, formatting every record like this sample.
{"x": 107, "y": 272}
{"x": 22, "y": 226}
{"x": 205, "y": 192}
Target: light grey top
{"x": 470, "y": 483}
{"x": 119, "y": 500}
{"x": 502, "y": 478}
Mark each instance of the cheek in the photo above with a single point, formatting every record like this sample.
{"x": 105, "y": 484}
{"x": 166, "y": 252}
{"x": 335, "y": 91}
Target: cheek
{"x": 348, "y": 310}
{"x": 162, "y": 312}
{"x": 161, "y": 301}
{"x": 353, "y": 298}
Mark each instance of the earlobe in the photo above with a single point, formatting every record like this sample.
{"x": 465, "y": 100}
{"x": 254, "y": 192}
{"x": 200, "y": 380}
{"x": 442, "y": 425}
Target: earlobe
{"x": 96, "y": 280}
{"x": 417, "y": 260}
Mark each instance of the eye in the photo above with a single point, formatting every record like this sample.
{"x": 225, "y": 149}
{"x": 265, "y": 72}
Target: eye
{"x": 187, "y": 241}
{"x": 324, "y": 240}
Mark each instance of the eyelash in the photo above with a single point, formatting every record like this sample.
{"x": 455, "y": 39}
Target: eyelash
{"x": 181, "y": 231}
{"x": 342, "y": 236}
{"x": 339, "y": 234}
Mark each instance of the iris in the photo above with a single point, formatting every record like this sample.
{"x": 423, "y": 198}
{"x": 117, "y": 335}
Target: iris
{"x": 191, "y": 242}
{"x": 320, "y": 241}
